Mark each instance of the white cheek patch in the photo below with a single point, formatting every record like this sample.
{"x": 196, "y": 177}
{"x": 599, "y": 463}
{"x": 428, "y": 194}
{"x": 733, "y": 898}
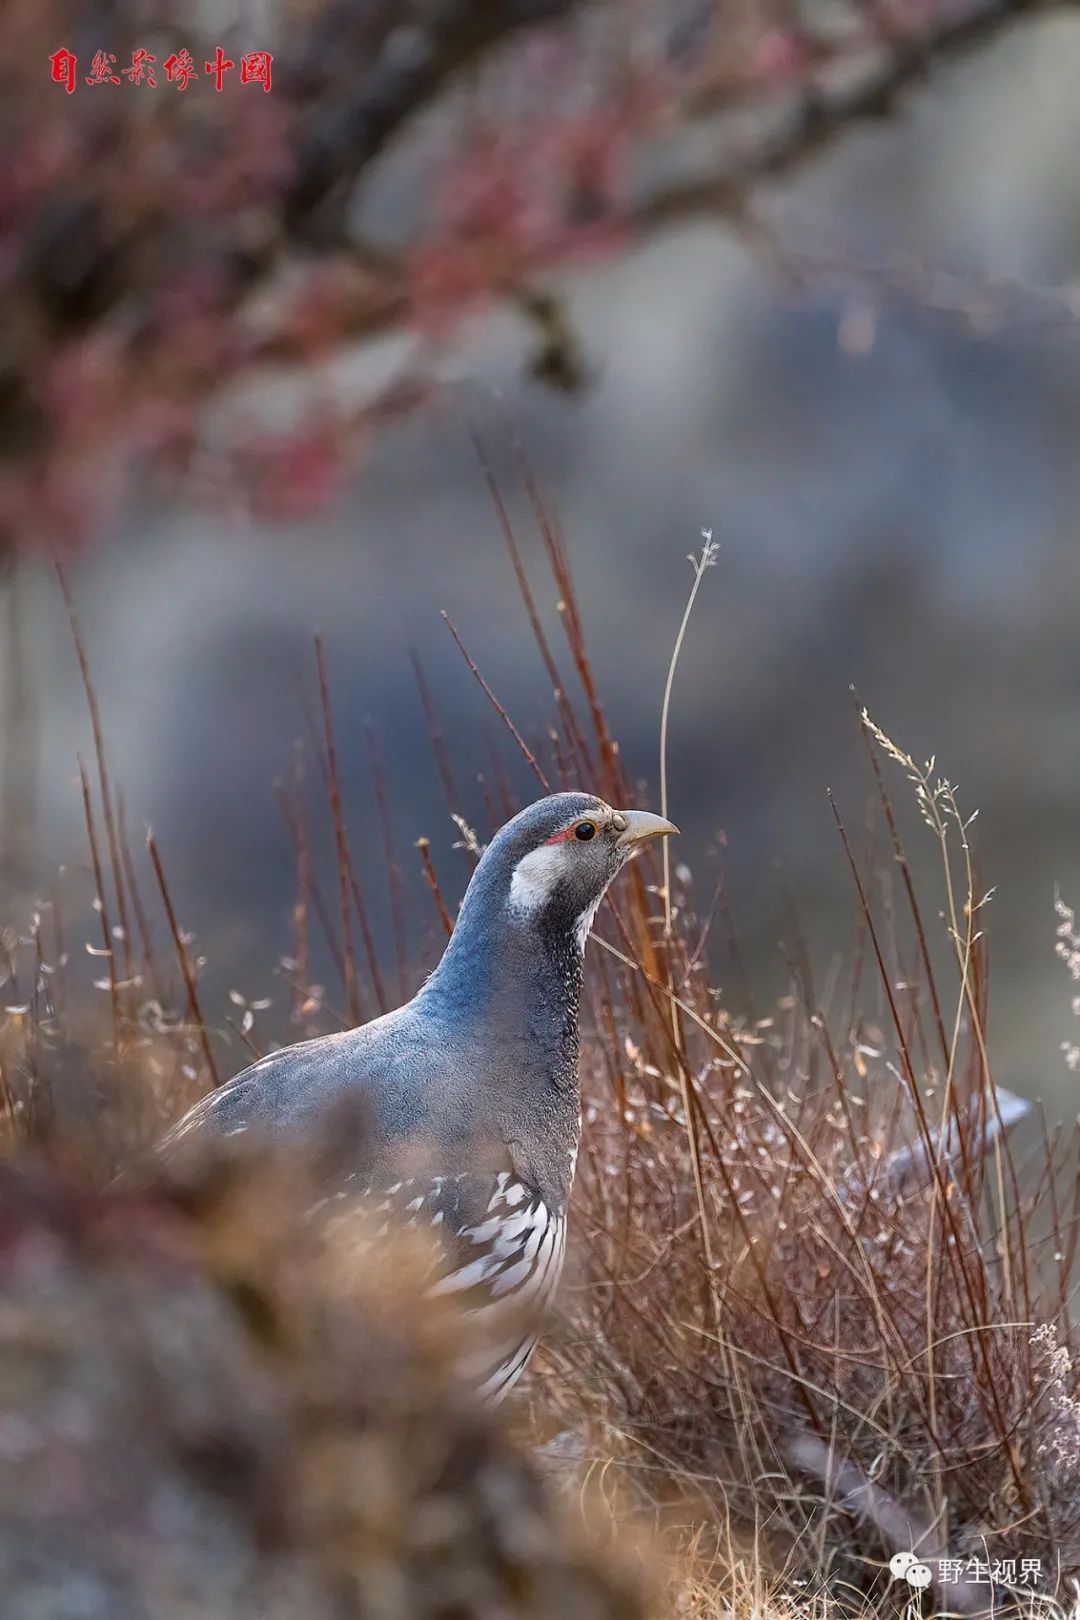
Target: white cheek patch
{"x": 535, "y": 879}
{"x": 536, "y": 876}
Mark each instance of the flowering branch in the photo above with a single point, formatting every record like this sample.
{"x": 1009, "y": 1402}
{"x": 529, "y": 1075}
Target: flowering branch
{"x": 158, "y": 244}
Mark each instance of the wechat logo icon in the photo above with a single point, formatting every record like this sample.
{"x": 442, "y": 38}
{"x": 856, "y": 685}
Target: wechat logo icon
{"x": 904, "y": 1566}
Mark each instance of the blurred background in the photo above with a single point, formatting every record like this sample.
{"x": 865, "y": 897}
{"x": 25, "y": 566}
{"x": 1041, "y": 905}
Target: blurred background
{"x": 859, "y": 369}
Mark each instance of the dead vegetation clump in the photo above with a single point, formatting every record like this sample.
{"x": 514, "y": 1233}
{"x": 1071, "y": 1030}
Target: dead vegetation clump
{"x": 197, "y": 1419}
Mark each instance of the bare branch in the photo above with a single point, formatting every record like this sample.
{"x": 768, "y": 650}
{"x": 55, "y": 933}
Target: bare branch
{"x": 866, "y": 87}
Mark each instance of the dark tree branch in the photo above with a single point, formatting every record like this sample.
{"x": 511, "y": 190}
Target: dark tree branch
{"x": 85, "y": 260}
{"x": 424, "y": 46}
{"x": 779, "y": 140}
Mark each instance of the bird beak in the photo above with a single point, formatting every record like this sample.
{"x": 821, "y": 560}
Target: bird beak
{"x": 642, "y": 824}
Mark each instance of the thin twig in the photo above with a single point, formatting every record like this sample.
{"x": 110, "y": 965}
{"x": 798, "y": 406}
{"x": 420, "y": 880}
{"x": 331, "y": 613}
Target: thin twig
{"x": 102, "y": 905}
{"x": 352, "y": 993}
{"x": 188, "y": 972}
{"x": 435, "y": 732}
{"x": 530, "y": 758}
{"x": 141, "y": 920}
{"x": 699, "y": 565}
{"x": 292, "y": 816}
{"x": 393, "y": 870}
{"x": 301, "y": 933}
{"x": 102, "y": 767}
{"x": 432, "y": 881}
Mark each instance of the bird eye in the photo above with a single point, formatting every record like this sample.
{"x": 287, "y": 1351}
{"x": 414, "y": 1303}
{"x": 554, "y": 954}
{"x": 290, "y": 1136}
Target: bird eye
{"x": 585, "y": 830}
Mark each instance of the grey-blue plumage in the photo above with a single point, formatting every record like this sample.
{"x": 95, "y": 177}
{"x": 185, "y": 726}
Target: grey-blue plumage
{"x": 468, "y": 1094}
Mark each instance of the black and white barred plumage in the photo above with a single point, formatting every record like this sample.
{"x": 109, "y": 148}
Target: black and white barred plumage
{"x": 497, "y": 1250}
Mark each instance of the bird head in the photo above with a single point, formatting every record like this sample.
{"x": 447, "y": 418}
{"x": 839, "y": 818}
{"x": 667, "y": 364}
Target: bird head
{"x": 551, "y": 864}
{"x": 515, "y": 955}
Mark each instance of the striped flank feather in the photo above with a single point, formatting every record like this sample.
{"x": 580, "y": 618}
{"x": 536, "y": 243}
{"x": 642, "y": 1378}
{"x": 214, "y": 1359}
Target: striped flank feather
{"x": 499, "y": 1251}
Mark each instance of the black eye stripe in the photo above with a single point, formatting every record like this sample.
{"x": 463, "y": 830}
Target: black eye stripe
{"x": 585, "y": 830}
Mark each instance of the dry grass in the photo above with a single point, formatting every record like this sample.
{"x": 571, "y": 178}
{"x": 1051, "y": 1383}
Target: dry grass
{"x": 819, "y": 1312}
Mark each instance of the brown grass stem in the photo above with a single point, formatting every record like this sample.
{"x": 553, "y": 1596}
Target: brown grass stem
{"x": 187, "y": 969}
{"x": 348, "y": 955}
